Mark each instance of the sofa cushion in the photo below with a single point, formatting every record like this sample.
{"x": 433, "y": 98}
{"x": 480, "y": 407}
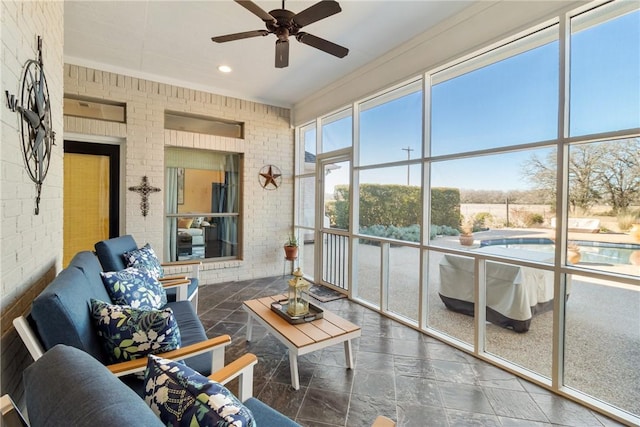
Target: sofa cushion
{"x": 134, "y": 287}
{"x": 191, "y": 332}
{"x": 146, "y": 258}
{"x": 128, "y": 333}
{"x": 62, "y": 313}
{"x": 110, "y": 252}
{"x": 88, "y": 263}
{"x": 181, "y": 396}
{"x": 68, "y": 387}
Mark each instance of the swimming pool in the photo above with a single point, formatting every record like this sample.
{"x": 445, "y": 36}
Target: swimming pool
{"x": 605, "y": 253}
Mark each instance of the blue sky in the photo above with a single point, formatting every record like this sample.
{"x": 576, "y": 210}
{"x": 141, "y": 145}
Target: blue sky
{"x": 513, "y": 101}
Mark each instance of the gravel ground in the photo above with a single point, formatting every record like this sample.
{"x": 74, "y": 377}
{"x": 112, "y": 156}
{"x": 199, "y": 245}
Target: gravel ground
{"x": 602, "y": 322}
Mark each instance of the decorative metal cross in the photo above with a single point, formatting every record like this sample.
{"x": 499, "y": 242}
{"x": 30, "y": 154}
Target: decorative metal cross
{"x": 144, "y": 189}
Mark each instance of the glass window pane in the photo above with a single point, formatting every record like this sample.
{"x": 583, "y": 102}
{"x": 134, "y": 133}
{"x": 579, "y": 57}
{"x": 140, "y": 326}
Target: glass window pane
{"x": 337, "y": 131}
{"x": 369, "y": 271}
{"x": 505, "y": 201}
{"x": 512, "y": 100}
{"x": 520, "y": 299}
{"x": 306, "y": 251}
{"x": 605, "y": 69}
{"x": 388, "y": 207}
{"x": 336, "y": 195}
{"x": 306, "y": 149}
{"x": 307, "y": 202}
{"x": 391, "y": 126}
{"x": 604, "y": 192}
{"x": 202, "y": 204}
{"x": 404, "y": 281}
{"x": 446, "y": 285}
{"x": 602, "y": 338}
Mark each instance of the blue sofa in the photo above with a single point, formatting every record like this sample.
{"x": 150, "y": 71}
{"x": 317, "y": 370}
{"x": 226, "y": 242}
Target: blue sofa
{"x": 67, "y": 387}
{"x": 61, "y": 315}
{"x": 70, "y": 383}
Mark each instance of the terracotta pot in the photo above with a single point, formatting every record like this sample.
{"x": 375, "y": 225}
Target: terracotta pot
{"x": 634, "y": 258}
{"x": 290, "y": 253}
{"x": 466, "y": 240}
{"x": 635, "y": 232}
{"x": 573, "y": 256}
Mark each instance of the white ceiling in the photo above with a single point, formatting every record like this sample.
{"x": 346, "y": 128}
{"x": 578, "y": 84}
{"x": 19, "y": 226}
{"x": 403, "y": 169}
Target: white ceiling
{"x": 170, "y": 42}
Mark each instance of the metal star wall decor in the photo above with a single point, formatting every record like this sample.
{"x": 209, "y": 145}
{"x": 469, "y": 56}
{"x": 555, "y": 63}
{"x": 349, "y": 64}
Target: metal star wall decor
{"x": 270, "y": 177}
{"x": 144, "y": 189}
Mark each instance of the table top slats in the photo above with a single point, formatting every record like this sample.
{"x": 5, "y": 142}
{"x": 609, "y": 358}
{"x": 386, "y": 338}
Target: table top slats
{"x": 302, "y": 334}
{"x": 341, "y": 323}
{"x": 328, "y": 327}
{"x": 314, "y": 331}
{"x": 293, "y": 334}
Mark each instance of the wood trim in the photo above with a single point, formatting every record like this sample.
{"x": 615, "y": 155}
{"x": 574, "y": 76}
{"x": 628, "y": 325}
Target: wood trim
{"x": 383, "y": 422}
{"x": 180, "y": 263}
{"x": 174, "y": 283}
{"x": 234, "y": 368}
{"x": 173, "y": 277}
{"x": 181, "y": 353}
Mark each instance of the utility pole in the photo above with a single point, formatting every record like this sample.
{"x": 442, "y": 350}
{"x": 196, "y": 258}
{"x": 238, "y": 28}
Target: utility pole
{"x": 408, "y": 150}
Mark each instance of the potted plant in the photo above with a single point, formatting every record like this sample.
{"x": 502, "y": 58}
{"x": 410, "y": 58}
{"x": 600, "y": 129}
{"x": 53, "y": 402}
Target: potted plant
{"x": 291, "y": 248}
{"x": 573, "y": 253}
{"x": 634, "y": 232}
{"x": 466, "y": 234}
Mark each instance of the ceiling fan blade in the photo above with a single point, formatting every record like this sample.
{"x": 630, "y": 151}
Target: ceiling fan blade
{"x": 316, "y": 12}
{"x": 282, "y": 53}
{"x": 256, "y": 10}
{"x": 238, "y": 36}
{"x": 322, "y": 44}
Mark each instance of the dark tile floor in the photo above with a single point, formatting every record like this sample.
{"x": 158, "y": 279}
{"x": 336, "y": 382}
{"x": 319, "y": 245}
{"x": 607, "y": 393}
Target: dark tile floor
{"x": 401, "y": 373}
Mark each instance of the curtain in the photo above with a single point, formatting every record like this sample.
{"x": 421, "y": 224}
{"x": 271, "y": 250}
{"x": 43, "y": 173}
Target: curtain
{"x": 230, "y": 228}
{"x": 171, "y": 225}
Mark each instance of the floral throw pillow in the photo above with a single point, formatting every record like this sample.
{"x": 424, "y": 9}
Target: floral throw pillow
{"x": 135, "y": 287}
{"x": 181, "y": 396}
{"x": 128, "y": 333}
{"x": 146, "y": 258}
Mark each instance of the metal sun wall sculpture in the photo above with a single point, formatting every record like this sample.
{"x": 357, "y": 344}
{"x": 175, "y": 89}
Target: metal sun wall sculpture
{"x": 37, "y": 135}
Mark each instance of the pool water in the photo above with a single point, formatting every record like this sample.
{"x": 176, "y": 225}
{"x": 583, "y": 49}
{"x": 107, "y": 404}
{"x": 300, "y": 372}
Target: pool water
{"x": 589, "y": 254}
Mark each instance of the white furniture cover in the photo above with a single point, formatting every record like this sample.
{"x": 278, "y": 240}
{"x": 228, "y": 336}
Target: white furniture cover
{"x": 514, "y": 293}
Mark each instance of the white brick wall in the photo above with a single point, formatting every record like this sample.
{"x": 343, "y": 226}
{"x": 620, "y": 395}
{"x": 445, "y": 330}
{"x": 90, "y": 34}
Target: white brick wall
{"x": 267, "y": 215}
{"x": 31, "y": 245}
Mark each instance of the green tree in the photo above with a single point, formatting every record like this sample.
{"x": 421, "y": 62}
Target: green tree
{"x": 604, "y": 172}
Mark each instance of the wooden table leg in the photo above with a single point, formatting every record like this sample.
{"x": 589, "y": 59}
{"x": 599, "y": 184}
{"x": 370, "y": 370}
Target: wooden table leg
{"x": 348, "y": 354}
{"x": 293, "y": 366}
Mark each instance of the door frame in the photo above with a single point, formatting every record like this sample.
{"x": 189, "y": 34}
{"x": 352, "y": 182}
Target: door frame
{"x": 344, "y": 155}
{"x": 113, "y": 152}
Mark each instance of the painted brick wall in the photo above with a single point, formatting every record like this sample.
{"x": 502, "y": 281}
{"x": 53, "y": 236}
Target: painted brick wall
{"x": 30, "y": 245}
{"x": 267, "y": 215}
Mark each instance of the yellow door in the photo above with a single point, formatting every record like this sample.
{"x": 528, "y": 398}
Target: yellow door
{"x": 86, "y": 202}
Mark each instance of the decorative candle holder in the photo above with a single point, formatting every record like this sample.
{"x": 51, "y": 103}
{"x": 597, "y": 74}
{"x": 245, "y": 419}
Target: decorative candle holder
{"x": 298, "y": 301}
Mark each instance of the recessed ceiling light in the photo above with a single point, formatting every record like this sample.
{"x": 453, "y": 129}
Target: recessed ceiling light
{"x": 224, "y": 69}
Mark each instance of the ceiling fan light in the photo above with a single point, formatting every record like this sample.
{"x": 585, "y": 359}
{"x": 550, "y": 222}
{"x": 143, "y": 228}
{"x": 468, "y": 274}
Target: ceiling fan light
{"x": 224, "y": 69}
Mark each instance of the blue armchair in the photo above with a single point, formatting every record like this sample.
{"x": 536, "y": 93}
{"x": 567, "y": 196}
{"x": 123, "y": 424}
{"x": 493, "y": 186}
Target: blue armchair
{"x": 111, "y": 255}
{"x": 67, "y": 387}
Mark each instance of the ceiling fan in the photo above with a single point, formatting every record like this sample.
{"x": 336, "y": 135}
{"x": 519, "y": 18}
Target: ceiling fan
{"x": 284, "y": 23}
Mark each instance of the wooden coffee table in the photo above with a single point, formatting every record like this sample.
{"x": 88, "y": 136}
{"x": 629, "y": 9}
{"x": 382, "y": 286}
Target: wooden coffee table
{"x": 302, "y": 338}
